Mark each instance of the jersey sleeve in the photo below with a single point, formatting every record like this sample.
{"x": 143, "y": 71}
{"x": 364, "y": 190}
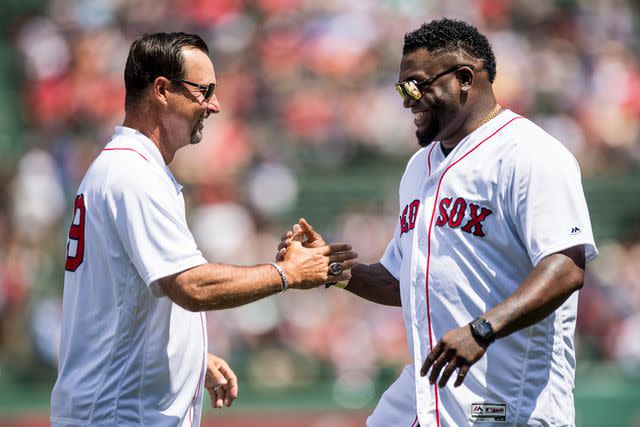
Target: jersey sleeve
{"x": 548, "y": 206}
{"x": 392, "y": 257}
{"x": 149, "y": 219}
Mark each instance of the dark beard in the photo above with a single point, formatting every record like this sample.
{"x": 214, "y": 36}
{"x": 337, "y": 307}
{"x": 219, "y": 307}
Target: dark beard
{"x": 427, "y": 135}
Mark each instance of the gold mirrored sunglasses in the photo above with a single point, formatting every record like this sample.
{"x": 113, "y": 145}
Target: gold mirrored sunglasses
{"x": 415, "y": 89}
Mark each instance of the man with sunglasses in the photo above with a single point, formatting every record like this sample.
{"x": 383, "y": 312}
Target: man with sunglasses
{"x": 488, "y": 253}
{"x": 134, "y": 343}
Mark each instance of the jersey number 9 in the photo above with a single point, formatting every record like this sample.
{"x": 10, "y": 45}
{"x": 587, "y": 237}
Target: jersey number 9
{"x": 75, "y": 244}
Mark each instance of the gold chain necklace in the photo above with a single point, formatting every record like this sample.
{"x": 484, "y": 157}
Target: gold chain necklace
{"x": 491, "y": 115}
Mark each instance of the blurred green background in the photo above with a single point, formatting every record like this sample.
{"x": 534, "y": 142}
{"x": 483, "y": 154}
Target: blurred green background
{"x": 311, "y": 126}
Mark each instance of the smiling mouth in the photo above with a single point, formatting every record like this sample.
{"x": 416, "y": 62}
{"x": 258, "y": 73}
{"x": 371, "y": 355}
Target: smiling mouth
{"x": 420, "y": 118}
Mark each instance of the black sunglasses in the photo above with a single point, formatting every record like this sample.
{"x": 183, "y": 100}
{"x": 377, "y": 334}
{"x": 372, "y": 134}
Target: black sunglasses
{"x": 411, "y": 88}
{"x": 205, "y": 90}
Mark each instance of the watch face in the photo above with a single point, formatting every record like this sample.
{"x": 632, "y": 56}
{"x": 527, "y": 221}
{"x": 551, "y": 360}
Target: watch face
{"x": 483, "y": 329}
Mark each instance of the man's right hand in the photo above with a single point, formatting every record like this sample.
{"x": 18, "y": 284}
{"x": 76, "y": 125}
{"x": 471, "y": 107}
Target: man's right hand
{"x": 308, "y": 268}
{"x": 306, "y": 257}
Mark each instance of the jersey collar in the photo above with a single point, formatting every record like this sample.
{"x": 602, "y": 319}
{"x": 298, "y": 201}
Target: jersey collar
{"x": 150, "y": 149}
{"x": 437, "y": 159}
{"x": 148, "y": 145}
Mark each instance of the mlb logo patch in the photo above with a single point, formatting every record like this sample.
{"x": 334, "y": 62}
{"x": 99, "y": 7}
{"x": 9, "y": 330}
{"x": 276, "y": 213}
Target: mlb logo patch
{"x": 488, "y": 412}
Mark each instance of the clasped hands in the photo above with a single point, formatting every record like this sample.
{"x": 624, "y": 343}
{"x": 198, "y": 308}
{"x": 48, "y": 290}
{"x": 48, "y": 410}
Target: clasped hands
{"x": 298, "y": 249}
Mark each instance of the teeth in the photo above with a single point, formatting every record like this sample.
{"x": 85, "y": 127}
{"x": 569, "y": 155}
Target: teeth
{"x": 419, "y": 115}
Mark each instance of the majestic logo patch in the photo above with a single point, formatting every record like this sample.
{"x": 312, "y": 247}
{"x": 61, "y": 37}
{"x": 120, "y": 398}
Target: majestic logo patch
{"x": 575, "y": 230}
{"x": 453, "y": 213}
{"x": 489, "y": 412}
{"x": 408, "y": 217}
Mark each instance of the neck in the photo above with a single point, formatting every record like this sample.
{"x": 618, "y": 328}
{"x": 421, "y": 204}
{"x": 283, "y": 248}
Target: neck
{"x": 474, "y": 120}
{"x": 141, "y": 122}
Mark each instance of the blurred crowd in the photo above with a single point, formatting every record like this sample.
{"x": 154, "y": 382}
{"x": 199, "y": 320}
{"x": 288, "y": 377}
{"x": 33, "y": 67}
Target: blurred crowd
{"x": 304, "y": 86}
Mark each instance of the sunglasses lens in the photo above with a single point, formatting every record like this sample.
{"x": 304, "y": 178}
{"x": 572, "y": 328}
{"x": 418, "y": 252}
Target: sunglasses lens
{"x": 207, "y": 91}
{"x": 412, "y": 90}
{"x": 408, "y": 88}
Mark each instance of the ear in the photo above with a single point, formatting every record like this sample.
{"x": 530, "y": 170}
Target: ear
{"x": 465, "y": 77}
{"x": 160, "y": 88}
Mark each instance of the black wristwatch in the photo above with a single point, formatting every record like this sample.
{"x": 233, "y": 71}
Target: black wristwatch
{"x": 482, "y": 331}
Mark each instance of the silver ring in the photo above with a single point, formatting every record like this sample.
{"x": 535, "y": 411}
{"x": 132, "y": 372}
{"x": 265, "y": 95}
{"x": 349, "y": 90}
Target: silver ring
{"x": 335, "y": 268}
{"x": 217, "y": 387}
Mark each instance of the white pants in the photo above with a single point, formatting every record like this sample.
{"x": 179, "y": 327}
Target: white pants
{"x": 397, "y": 406}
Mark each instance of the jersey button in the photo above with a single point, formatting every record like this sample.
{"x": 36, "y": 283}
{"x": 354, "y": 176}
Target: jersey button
{"x": 421, "y": 242}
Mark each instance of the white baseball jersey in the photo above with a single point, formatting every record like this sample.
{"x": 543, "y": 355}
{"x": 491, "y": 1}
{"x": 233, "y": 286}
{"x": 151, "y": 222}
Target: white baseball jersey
{"x": 129, "y": 355}
{"x": 473, "y": 224}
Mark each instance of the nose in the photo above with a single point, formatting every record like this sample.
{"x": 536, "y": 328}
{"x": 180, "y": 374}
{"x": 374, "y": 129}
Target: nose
{"x": 409, "y": 102}
{"x": 213, "y": 106}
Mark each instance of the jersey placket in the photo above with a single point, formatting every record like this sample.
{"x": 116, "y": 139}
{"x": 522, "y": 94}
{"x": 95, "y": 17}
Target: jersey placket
{"x": 424, "y": 335}
{"x": 422, "y": 330}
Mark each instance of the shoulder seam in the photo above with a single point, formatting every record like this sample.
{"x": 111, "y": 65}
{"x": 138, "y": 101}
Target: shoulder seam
{"x": 125, "y": 149}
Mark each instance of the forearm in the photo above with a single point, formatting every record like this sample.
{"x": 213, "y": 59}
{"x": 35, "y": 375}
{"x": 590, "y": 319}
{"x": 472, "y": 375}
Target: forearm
{"x": 543, "y": 290}
{"x": 218, "y": 286}
{"x": 374, "y": 283}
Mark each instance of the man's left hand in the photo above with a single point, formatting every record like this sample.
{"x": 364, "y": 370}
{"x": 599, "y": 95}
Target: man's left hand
{"x": 457, "y": 349}
{"x": 220, "y": 382}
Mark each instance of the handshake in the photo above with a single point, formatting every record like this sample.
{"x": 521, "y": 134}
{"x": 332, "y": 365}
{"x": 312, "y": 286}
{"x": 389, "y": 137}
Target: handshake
{"x": 307, "y": 261}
